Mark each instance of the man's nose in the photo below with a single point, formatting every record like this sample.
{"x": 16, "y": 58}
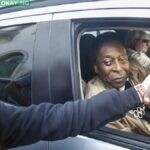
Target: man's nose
{"x": 117, "y": 66}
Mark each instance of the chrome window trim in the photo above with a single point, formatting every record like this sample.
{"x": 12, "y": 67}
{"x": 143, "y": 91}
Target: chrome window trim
{"x": 105, "y": 13}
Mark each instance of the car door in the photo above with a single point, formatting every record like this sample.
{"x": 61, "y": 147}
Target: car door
{"x": 92, "y": 21}
{"x": 22, "y": 44}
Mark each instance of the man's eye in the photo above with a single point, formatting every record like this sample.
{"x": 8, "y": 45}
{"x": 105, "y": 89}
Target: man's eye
{"x": 123, "y": 60}
{"x": 107, "y": 62}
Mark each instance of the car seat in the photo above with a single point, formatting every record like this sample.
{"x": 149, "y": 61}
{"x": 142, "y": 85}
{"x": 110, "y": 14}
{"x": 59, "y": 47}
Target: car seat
{"x": 86, "y": 47}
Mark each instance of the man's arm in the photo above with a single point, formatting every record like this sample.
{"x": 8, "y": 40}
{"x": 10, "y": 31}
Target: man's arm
{"x": 21, "y": 126}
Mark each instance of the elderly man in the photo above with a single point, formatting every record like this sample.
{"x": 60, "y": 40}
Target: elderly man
{"x": 110, "y": 62}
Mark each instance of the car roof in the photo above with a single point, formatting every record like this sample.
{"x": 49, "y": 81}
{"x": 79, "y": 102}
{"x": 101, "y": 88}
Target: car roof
{"x": 39, "y": 3}
{"x": 73, "y": 5}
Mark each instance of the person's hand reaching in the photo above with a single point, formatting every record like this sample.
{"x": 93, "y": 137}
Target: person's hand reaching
{"x": 143, "y": 90}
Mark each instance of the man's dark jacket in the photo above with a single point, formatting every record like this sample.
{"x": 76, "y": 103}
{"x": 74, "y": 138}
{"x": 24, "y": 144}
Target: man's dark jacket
{"x": 22, "y": 126}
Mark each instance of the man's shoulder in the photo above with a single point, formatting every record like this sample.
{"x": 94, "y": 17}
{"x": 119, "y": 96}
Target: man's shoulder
{"x": 96, "y": 82}
{"x": 94, "y": 86}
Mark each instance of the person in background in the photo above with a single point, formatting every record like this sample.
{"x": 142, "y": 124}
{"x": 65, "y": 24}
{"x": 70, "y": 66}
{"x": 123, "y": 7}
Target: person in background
{"x": 111, "y": 64}
{"x": 27, "y": 125}
{"x": 137, "y": 44}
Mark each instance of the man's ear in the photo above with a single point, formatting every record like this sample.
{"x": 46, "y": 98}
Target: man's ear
{"x": 95, "y": 69}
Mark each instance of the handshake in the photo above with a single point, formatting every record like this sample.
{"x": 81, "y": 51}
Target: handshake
{"x": 143, "y": 91}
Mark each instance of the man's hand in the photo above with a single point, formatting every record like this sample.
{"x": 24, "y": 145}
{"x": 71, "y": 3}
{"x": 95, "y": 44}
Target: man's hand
{"x": 146, "y": 85}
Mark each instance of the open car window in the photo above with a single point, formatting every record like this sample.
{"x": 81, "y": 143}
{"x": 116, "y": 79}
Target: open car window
{"x": 88, "y": 32}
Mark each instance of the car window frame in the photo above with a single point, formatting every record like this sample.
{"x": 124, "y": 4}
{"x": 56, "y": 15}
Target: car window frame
{"x": 79, "y": 26}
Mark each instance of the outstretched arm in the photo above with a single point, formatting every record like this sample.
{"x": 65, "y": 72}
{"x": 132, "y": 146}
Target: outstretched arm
{"x": 21, "y": 126}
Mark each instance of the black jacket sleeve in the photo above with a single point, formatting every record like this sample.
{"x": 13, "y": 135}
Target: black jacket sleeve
{"x": 21, "y": 126}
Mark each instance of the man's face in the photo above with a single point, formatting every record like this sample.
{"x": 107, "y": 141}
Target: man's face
{"x": 142, "y": 44}
{"x": 112, "y": 64}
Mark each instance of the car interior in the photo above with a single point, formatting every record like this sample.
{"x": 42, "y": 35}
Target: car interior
{"x": 86, "y": 43}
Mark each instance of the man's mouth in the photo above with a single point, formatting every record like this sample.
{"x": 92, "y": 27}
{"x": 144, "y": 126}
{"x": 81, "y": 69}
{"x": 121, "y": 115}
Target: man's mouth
{"x": 119, "y": 79}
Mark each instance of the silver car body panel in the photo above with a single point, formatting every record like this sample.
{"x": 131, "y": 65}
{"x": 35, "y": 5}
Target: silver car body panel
{"x": 98, "y": 9}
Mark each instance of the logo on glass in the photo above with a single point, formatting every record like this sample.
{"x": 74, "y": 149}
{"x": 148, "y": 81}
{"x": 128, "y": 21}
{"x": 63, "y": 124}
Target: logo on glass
{"x": 14, "y": 2}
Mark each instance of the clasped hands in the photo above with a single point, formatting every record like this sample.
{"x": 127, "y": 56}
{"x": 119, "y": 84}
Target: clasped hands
{"x": 143, "y": 90}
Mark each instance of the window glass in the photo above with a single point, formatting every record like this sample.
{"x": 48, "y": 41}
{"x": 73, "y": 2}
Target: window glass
{"x": 8, "y": 64}
{"x": 16, "y": 53}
